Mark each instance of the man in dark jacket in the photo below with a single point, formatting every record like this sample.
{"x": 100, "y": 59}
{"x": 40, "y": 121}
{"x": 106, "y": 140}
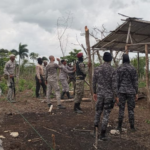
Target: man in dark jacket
{"x": 105, "y": 91}
{"x": 127, "y": 90}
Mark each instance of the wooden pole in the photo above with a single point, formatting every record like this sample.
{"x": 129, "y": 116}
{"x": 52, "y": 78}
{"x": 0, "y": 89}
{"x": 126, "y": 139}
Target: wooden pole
{"x": 89, "y": 60}
{"x": 128, "y": 35}
{"x": 147, "y": 72}
{"x": 126, "y": 49}
{"x": 99, "y": 57}
{"x": 93, "y": 59}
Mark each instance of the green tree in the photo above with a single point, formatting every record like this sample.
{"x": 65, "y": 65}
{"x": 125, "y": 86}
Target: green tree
{"x": 3, "y": 59}
{"x": 44, "y": 58}
{"x": 33, "y": 56}
{"x": 142, "y": 65}
{"x": 72, "y": 57}
{"x": 22, "y": 53}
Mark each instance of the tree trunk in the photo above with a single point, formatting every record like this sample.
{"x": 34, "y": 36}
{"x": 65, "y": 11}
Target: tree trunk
{"x": 89, "y": 56}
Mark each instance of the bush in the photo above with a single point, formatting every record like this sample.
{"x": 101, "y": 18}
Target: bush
{"x": 21, "y": 88}
{"x": 142, "y": 84}
{"x": 29, "y": 86}
{"x": 33, "y": 90}
{"x": 3, "y": 85}
{"x": 22, "y": 82}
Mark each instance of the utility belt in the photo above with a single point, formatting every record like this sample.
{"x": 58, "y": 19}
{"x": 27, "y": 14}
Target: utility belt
{"x": 80, "y": 77}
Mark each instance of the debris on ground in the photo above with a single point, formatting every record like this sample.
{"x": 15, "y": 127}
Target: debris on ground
{"x": 14, "y": 134}
{"x": 2, "y": 137}
{"x": 114, "y": 132}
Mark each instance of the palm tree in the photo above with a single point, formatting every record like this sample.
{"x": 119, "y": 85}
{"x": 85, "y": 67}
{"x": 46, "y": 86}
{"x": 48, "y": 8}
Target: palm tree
{"x": 44, "y": 58}
{"x": 22, "y": 52}
{"x": 33, "y": 56}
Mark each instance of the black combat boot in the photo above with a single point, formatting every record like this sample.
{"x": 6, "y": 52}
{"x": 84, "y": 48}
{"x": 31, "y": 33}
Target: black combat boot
{"x": 68, "y": 95}
{"x": 62, "y": 95}
{"x": 119, "y": 125}
{"x": 132, "y": 125}
{"x": 77, "y": 109}
{"x": 79, "y": 106}
{"x": 103, "y": 136}
{"x": 49, "y": 105}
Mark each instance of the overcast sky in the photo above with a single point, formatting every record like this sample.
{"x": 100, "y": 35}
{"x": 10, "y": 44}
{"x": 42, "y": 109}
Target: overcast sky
{"x": 34, "y": 22}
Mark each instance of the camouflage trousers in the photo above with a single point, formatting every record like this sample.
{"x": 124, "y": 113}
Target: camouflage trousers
{"x": 53, "y": 85}
{"x": 11, "y": 88}
{"x": 65, "y": 85}
{"x": 131, "y": 105}
{"x": 73, "y": 80}
{"x": 104, "y": 105}
{"x": 79, "y": 91}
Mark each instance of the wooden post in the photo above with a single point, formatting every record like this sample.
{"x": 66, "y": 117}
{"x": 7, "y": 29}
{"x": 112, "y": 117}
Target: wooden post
{"x": 93, "y": 59}
{"x": 138, "y": 63}
{"x": 53, "y": 140}
{"x": 147, "y": 72}
{"x": 89, "y": 56}
{"x": 126, "y": 49}
{"x": 99, "y": 57}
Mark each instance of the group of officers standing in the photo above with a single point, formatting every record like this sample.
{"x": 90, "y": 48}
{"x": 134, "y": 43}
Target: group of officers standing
{"x": 109, "y": 85}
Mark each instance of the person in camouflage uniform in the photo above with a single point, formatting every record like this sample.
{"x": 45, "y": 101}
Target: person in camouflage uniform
{"x": 44, "y": 70}
{"x": 127, "y": 90}
{"x": 9, "y": 71}
{"x": 105, "y": 91}
{"x": 52, "y": 81}
{"x": 72, "y": 78}
{"x": 63, "y": 78}
{"x": 81, "y": 71}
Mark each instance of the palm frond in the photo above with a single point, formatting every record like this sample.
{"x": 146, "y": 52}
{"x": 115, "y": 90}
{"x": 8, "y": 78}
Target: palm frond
{"x": 15, "y": 52}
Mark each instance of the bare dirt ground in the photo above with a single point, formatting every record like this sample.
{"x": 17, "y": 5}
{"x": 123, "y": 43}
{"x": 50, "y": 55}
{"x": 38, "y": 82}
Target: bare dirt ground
{"x": 62, "y": 124}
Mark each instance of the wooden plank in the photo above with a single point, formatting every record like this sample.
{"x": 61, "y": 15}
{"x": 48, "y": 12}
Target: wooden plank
{"x": 71, "y": 100}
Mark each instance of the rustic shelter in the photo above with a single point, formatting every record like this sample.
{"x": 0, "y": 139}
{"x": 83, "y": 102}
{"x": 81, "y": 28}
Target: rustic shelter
{"x": 131, "y": 36}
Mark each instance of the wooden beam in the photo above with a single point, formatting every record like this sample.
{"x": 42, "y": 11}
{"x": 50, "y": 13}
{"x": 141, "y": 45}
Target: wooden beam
{"x": 128, "y": 35}
{"x": 138, "y": 44}
{"x": 132, "y": 33}
{"x": 87, "y": 40}
{"x": 147, "y": 72}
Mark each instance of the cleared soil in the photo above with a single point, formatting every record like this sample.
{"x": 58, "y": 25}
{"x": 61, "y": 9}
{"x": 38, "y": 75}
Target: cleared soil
{"x": 62, "y": 124}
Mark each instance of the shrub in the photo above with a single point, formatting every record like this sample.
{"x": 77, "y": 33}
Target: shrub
{"x": 3, "y": 86}
{"x": 22, "y": 82}
{"x": 29, "y": 86}
{"x": 33, "y": 90}
{"x": 21, "y": 88}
